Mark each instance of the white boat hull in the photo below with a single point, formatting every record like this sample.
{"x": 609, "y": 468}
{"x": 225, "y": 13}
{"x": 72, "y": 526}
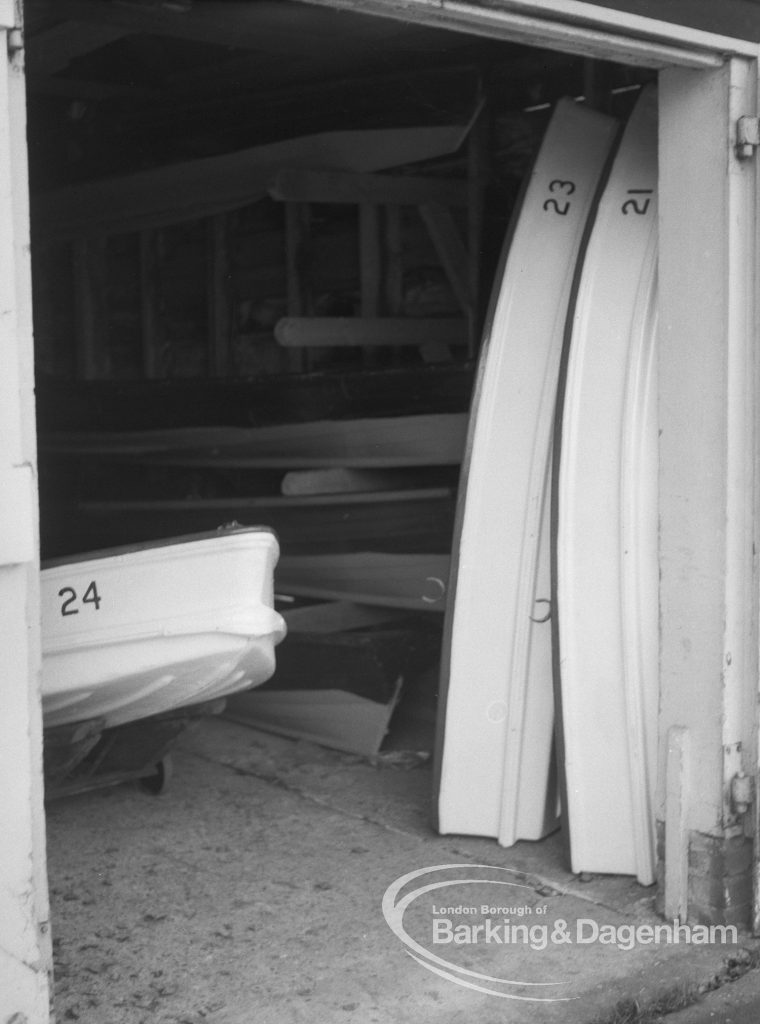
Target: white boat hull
{"x": 134, "y": 632}
{"x": 606, "y": 534}
{"x": 496, "y": 709}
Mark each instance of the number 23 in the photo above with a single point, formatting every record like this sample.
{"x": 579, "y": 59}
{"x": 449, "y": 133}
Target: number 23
{"x": 560, "y": 206}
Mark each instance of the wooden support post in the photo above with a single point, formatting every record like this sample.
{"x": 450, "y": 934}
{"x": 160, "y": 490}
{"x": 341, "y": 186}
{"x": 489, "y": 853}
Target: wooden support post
{"x": 370, "y": 268}
{"x": 394, "y": 276}
{"x": 477, "y": 177}
{"x": 394, "y": 266}
{"x": 676, "y": 825}
{"x": 369, "y": 259}
{"x": 150, "y": 313}
{"x": 90, "y": 307}
{"x": 451, "y": 250}
{"x": 218, "y": 298}
{"x": 296, "y": 226}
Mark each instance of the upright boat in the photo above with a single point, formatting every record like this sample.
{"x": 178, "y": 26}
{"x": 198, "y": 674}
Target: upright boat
{"x": 495, "y": 726}
{"x": 131, "y": 632}
{"x": 606, "y": 630}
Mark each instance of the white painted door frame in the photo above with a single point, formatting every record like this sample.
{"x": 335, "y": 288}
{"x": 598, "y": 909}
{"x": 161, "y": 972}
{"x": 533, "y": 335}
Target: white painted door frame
{"x": 716, "y": 333}
{"x": 569, "y": 26}
{"x": 709, "y": 316}
{"x": 25, "y": 946}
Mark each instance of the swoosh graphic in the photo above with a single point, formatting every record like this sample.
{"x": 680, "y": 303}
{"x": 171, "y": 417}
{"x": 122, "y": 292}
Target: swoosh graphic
{"x": 394, "y": 909}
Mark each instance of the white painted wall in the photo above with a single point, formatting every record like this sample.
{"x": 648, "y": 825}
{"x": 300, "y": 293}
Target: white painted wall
{"x": 25, "y": 948}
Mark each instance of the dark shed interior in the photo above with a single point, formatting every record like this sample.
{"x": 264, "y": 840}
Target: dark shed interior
{"x": 270, "y": 215}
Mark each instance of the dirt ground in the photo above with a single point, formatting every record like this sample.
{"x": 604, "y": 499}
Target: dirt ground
{"x": 251, "y": 891}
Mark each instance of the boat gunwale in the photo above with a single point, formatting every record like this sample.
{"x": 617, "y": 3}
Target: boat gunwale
{"x": 101, "y": 554}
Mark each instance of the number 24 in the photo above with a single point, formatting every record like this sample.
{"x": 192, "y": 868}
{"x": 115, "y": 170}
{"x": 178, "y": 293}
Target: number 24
{"x": 90, "y": 596}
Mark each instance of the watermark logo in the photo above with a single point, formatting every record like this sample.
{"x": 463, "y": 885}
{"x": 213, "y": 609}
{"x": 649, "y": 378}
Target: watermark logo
{"x": 449, "y": 915}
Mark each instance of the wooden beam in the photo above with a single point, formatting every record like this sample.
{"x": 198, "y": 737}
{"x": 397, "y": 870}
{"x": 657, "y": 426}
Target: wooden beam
{"x": 54, "y": 48}
{"x": 451, "y": 251}
{"x": 69, "y": 405}
{"x": 391, "y": 521}
{"x": 344, "y": 480}
{"x": 382, "y": 442}
{"x": 200, "y": 188}
{"x": 347, "y": 331}
{"x": 265, "y": 26}
{"x": 84, "y": 89}
{"x": 336, "y": 617}
{"x": 312, "y": 186}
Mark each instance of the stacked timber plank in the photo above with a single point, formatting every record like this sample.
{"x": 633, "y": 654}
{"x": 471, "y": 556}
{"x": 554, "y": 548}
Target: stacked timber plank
{"x": 365, "y": 547}
{"x": 364, "y": 512}
{"x": 389, "y": 511}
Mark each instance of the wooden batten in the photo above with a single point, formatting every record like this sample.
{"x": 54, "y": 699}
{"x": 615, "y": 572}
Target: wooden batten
{"x": 130, "y": 405}
{"x": 413, "y": 581}
{"x": 389, "y": 521}
{"x": 347, "y": 331}
{"x": 426, "y": 440}
{"x": 310, "y": 186}
{"x": 342, "y": 480}
{"x": 336, "y": 617}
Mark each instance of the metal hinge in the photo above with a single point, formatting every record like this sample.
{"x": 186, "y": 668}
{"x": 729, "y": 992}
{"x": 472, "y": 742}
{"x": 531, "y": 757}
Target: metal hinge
{"x": 15, "y": 41}
{"x": 747, "y": 136}
{"x": 742, "y": 793}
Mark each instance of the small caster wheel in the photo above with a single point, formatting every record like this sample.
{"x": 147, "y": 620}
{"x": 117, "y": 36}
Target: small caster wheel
{"x": 156, "y": 783}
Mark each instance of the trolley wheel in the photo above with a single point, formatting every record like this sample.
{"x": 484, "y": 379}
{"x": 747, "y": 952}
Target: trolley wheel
{"x": 156, "y": 783}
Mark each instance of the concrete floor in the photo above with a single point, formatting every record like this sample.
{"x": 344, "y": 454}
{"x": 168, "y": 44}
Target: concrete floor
{"x": 251, "y": 890}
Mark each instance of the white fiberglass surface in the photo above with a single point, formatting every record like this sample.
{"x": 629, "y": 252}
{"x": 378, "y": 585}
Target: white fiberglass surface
{"x": 497, "y": 663}
{"x": 606, "y": 525}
